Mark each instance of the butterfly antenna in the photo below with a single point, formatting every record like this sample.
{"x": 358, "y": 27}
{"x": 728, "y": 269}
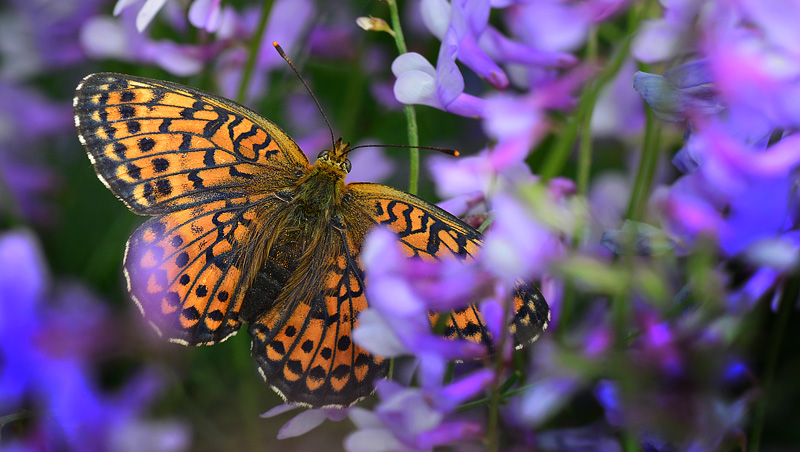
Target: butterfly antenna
{"x": 432, "y": 148}
{"x": 308, "y": 88}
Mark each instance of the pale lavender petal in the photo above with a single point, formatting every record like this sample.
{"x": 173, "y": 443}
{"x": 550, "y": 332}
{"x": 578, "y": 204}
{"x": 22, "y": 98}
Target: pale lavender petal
{"x": 122, "y": 4}
{"x": 546, "y": 398}
{"x": 454, "y": 394}
{"x": 448, "y": 433}
{"x": 181, "y": 60}
{"x": 517, "y": 246}
{"x": 777, "y": 20}
{"x": 280, "y": 409}
{"x": 370, "y": 164}
{"x": 376, "y": 336}
{"x": 417, "y": 87}
{"x": 554, "y": 26}
{"x": 152, "y": 436}
{"x": 492, "y": 312}
{"x": 476, "y": 59}
{"x": 449, "y": 81}
{"x": 468, "y": 106}
{"x": 373, "y": 440}
{"x": 302, "y": 423}
{"x": 205, "y": 14}
{"x": 104, "y": 37}
{"x": 462, "y": 204}
{"x": 464, "y": 175}
{"x": 363, "y": 418}
{"x": 148, "y": 13}
{"x": 503, "y": 49}
{"x": 436, "y": 16}
{"x": 619, "y": 110}
{"x": 287, "y": 23}
{"x": 412, "y": 61}
{"x": 656, "y": 40}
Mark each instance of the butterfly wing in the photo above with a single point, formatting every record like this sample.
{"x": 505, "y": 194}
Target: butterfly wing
{"x": 428, "y": 232}
{"x": 188, "y": 271}
{"x": 303, "y": 342}
{"x": 211, "y": 170}
{"x": 161, "y": 147}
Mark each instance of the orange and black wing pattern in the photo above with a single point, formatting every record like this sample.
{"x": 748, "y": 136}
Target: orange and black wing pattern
{"x": 302, "y": 342}
{"x": 161, "y": 147}
{"x": 211, "y": 171}
{"x": 428, "y": 232}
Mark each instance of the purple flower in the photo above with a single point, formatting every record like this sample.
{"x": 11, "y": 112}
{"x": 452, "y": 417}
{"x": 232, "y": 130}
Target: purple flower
{"x": 105, "y": 37}
{"x": 664, "y": 38}
{"x": 518, "y": 245}
{"x": 752, "y": 185}
{"x": 459, "y": 26}
{"x": 558, "y": 25}
{"x": 443, "y": 88}
{"x": 206, "y": 14}
{"x": 755, "y": 41}
{"x": 230, "y": 65}
{"x": 54, "y": 31}
{"x": 408, "y": 419}
{"x": 618, "y": 111}
{"x": 306, "y": 420}
{"x": 402, "y": 292}
{"x": 146, "y": 13}
{"x": 47, "y": 349}
{"x": 27, "y": 120}
{"x": 684, "y": 91}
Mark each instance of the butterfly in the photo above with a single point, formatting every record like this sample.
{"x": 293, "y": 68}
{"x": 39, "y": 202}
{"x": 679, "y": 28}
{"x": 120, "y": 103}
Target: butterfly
{"x": 245, "y": 230}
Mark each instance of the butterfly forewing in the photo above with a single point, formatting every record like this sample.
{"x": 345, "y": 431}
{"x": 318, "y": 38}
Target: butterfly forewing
{"x": 162, "y": 147}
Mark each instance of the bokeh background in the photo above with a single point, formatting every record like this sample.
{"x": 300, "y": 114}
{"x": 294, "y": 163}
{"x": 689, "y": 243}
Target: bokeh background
{"x": 636, "y": 158}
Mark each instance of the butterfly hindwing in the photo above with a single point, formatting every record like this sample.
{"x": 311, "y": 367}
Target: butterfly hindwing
{"x": 428, "y": 232}
{"x": 303, "y": 345}
{"x": 188, "y": 270}
{"x": 162, "y": 147}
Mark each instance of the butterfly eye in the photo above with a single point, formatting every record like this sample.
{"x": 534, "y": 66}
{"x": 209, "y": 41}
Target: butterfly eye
{"x": 347, "y": 165}
{"x": 322, "y": 154}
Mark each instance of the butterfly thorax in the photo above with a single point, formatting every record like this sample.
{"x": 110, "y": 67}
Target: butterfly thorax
{"x": 321, "y": 189}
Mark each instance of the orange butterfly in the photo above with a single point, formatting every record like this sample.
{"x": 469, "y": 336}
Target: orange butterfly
{"x": 245, "y": 229}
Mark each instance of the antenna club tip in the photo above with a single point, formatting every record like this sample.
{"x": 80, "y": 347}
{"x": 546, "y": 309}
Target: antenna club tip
{"x": 275, "y": 44}
{"x": 456, "y": 153}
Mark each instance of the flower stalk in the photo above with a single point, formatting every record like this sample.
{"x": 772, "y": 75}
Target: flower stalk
{"x": 410, "y": 112}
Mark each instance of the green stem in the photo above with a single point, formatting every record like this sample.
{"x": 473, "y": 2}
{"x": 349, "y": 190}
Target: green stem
{"x": 503, "y": 396}
{"x": 584, "y": 170}
{"x": 585, "y": 144}
{"x": 790, "y": 294}
{"x": 411, "y": 114}
{"x": 647, "y": 167}
{"x": 13, "y": 417}
{"x": 255, "y": 47}
{"x": 496, "y": 395}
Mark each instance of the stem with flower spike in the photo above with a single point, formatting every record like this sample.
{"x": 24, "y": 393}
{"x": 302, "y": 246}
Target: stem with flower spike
{"x": 254, "y": 50}
{"x": 411, "y": 114}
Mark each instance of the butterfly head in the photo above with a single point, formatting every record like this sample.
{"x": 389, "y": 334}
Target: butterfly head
{"x": 336, "y": 157}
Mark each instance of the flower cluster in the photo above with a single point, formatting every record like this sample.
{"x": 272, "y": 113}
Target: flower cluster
{"x": 636, "y": 161}
{"x": 49, "y": 338}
